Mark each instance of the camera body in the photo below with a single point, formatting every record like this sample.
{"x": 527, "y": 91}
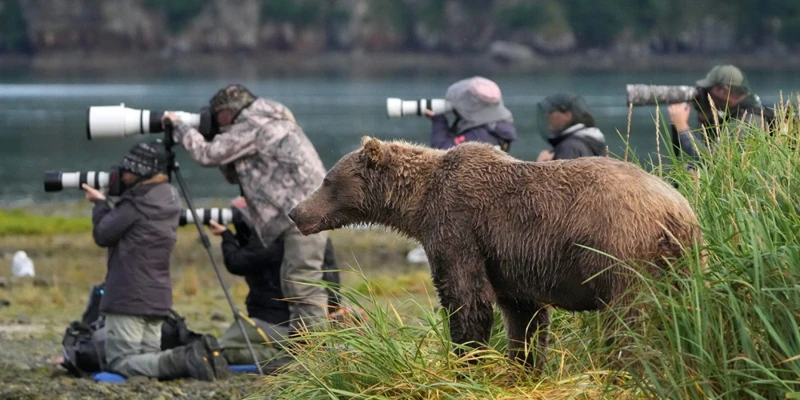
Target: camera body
{"x": 650, "y": 95}
{"x": 396, "y": 107}
{"x": 120, "y": 121}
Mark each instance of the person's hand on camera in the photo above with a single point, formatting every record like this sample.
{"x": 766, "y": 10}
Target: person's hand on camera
{"x": 171, "y": 116}
{"x": 92, "y": 194}
{"x": 216, "y": 228}
{"x": 429, "y": 113}
{"x": 545, "y": 155}
{"x": 679, "y": 116}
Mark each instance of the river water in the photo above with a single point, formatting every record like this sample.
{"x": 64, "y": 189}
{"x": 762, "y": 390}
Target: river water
{"x": 43, "y": 119}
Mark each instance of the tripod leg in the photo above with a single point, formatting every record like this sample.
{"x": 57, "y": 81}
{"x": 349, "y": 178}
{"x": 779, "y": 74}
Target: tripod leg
{"x": 207, "y": 245}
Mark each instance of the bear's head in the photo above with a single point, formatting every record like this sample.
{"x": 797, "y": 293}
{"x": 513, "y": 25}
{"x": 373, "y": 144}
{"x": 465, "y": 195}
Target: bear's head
{"x": 379, "y": 183}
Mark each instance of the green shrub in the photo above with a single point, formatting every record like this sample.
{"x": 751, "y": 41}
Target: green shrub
{"x": 178, "y": 13}
{"x": 523, "y": 15}
{"x": 300, "y": 12}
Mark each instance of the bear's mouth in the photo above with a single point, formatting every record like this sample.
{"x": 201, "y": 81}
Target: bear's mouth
{"x": 308, "y": 229}
{"x": 323, "y": 225}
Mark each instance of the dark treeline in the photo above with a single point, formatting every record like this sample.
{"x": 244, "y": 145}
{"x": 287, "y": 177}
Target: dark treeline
{"x": 546, "y": 27}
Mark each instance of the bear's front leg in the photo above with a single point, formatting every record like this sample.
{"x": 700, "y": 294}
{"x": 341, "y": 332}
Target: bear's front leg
{"x": 464, "y": 290}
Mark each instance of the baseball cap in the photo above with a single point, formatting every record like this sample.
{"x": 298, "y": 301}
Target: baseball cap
{"x": 724, "y": 75}
{"x": 234, "y": 97}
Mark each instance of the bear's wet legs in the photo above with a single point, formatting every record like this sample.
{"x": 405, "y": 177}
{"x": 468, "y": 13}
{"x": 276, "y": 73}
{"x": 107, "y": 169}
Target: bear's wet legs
{"x": 523, "y": 320}
{"x": 464, "y": 291}
{"x": 620, "y": 319}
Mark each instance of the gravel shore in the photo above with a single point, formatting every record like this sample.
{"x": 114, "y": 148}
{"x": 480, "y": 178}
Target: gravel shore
{"x": 27, "y": 372}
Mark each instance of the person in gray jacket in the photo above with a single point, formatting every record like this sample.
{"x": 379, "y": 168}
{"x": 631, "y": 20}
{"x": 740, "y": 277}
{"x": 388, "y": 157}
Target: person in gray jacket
{"x": 140, "y": 232}
{"x": 567, "y": 124}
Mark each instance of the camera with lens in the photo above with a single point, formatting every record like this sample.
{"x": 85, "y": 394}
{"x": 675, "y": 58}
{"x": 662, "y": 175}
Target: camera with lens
{"x": 121, "y": 121}
{"x": 649, "y": 95}
{"x": 396, "y": 107}
{"x": 56, "y": 181}
{"x": 222, "y": 216}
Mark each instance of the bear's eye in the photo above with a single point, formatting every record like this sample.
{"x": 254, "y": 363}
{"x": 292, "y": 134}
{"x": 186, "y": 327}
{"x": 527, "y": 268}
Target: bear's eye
{"x": 326, "y": 182}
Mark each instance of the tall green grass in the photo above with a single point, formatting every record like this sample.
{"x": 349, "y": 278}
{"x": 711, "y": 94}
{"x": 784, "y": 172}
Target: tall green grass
{"x": 408, "y": 354}
{"x": 734, "y": 332}
{"x": 729, "y": 328}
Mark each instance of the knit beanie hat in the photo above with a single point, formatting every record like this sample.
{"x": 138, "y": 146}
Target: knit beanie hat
{"x": 145, "y": 160}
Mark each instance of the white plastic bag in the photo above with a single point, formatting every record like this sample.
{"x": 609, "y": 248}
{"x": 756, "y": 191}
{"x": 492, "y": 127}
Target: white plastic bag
{"x": 417, "y": 256}
{"x": 21, "y": 265}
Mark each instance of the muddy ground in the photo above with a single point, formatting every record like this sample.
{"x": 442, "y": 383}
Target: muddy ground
{"x": 27, "y": 372}
{"x": 35, "y": 312}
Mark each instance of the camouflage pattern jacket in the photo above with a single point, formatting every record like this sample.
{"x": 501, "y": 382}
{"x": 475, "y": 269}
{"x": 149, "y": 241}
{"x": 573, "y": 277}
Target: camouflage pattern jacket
{"x": 269, "y": 155}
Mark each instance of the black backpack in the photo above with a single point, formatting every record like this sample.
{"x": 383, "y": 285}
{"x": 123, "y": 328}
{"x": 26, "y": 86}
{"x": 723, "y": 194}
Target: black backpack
{"x": 83, "y": 355}
{"x": 175, "y": 333}
{"x": 84, "y": 340}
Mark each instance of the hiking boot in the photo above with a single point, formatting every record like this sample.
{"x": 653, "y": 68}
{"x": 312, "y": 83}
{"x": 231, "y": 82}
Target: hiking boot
{"x": 215, "y": 358}
{"x": 198, "y": 363}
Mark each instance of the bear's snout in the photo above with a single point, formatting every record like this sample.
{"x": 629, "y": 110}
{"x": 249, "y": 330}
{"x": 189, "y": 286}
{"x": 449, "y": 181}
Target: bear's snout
{"x": 293, "y": 214}
{"x": 305, "y": 223}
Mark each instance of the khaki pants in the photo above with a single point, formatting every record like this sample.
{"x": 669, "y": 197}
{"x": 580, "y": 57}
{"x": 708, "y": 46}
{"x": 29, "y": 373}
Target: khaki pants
{"x": 133, "y": 345}
{"x": 264, "y": 337}
{"x": 301, "y": 268}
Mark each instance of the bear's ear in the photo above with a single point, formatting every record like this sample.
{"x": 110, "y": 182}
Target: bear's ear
{"x": 372, "y": 151}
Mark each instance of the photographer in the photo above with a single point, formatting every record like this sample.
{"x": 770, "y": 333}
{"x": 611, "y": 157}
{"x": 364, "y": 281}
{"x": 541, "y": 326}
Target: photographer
{"x": 140, "y": 233}
{"x": 261, "y": 147}
{"x": 733, "y": 100}
{"x": 480, "y": 116}
{"x": 246, "y": 256}
{"x": 569, "y": 127}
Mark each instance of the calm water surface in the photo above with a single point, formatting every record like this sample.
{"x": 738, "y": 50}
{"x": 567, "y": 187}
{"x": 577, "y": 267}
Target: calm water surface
{"x": 43, "y": 120}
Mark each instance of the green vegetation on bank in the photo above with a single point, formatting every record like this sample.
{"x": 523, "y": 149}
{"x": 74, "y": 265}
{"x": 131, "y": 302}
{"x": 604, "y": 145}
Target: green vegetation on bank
{"x": 19, "y": 222}
{"x": 729, "y": 328}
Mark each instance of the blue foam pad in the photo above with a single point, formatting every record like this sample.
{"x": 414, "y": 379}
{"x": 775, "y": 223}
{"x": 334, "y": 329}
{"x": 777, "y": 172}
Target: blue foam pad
{"x": 109, "y": 377}
{"x": 244, "y": 368}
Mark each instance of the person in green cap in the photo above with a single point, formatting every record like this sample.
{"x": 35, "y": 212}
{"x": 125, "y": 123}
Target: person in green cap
{"x": 733, "y": 101}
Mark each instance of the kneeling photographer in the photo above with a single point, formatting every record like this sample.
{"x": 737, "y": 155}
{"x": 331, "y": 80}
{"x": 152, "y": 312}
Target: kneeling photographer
{"x": 480, "y": 116}
{"x": 261, "y": 147}
{"x": 569, "y": 126}
{"x": 268, "y": 312}
{"x": 140, "y": 232}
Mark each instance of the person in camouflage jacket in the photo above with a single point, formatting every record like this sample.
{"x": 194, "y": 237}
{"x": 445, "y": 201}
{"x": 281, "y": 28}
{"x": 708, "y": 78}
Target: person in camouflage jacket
{"x": 261, "y": 147}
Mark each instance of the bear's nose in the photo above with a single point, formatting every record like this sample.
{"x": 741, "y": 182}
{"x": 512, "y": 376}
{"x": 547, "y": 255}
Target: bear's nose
{"x": 293, "y": 214}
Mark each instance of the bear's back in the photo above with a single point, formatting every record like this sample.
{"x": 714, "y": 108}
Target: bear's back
{"x": 612, "y": 203}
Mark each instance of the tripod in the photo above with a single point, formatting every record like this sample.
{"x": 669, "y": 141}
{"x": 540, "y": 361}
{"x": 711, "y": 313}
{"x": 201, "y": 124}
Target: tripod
{"x": 173, "y": 166}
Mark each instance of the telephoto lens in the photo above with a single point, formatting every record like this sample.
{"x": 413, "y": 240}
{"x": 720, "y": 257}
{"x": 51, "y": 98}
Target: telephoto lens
{"x": 222, "y": 216}
{"x": 650, "y": 95}
{"x": 120, "y": 121}
{"x": 55, "y": 181}
{"x": 396, "y": 107}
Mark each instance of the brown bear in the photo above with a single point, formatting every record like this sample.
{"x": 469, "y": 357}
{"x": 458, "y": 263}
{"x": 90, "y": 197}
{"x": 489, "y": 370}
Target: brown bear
{"x": 523, "y": 235}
